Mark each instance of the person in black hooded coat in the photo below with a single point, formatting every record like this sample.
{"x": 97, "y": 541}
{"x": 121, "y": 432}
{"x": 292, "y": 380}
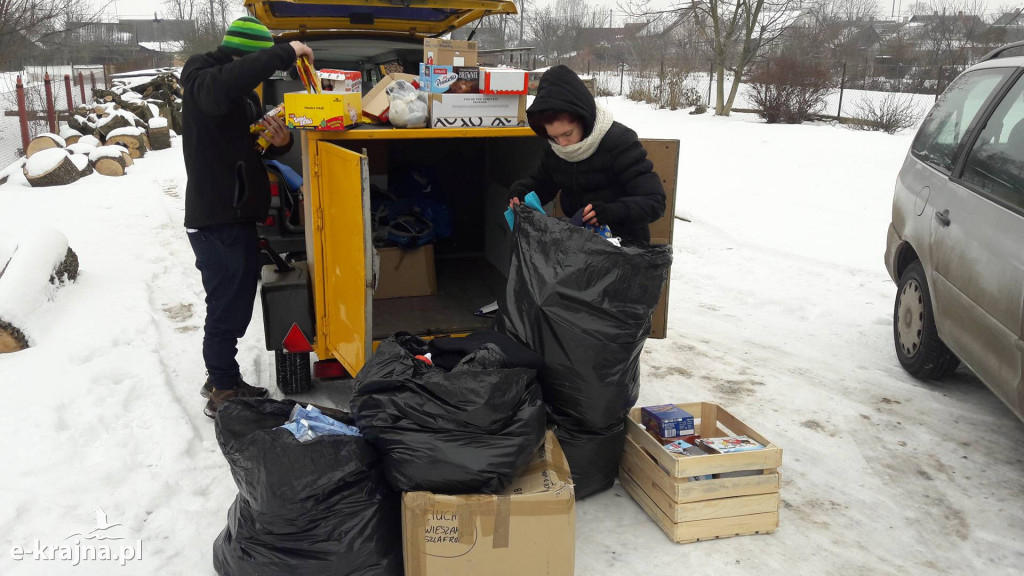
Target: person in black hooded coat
{"x": 596, "y": 163}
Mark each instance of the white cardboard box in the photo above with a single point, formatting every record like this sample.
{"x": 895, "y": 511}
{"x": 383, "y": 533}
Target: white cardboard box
{"x": 477, "y": 110}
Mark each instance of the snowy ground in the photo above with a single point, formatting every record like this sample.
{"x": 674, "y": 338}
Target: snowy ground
{"x": 780, "y": 311}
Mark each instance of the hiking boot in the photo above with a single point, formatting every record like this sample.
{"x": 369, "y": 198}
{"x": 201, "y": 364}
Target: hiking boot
{"x": 219, "y": 397}
{"x": 246, "y": 390}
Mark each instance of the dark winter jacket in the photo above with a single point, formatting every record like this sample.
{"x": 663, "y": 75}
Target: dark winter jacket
{"x": 227, "y": 182}
{"x": 617, "y": 178}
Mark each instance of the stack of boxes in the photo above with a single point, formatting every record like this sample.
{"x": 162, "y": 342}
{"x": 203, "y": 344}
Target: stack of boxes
{"x": 465, "y": 95}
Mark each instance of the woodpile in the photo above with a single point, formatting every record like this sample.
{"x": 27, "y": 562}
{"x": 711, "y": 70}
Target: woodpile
{"x": 52, "y": 167}
{"x": 39, "y": 262}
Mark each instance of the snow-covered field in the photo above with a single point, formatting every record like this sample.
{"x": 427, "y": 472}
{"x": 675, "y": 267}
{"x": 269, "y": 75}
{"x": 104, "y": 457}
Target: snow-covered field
{"x": 780, "y": 311}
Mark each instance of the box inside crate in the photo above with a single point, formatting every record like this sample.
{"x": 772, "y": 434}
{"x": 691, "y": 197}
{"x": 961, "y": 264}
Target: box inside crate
{"x": 740, "y": 497}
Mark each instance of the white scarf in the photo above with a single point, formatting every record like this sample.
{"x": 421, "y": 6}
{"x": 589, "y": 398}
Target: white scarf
{"x": 586, "y": 147}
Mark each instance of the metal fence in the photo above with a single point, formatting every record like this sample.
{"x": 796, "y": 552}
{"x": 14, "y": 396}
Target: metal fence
{"x": 81, "y": 79}
{"x": 850, "y": 87}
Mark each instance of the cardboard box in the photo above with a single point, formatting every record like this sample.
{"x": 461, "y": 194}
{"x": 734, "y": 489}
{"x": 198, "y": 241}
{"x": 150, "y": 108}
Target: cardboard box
{"x": 341, "y": 81}
{"x": 740, "y": 497}
{"x": 406, "y": 272}
{"x": 439, "y": 79}
{"x": 667, "y": 420}
{"x": 477, "y": 110}
{"x": 451, "y": 52}
{"x": 530, "y": 529}
{"x": 322, "y": 111}
{"x": 504, "y": 81}
{"x": 376, "y": 103}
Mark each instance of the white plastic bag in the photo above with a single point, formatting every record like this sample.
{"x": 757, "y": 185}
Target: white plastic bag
{"x": 408, "y": 105}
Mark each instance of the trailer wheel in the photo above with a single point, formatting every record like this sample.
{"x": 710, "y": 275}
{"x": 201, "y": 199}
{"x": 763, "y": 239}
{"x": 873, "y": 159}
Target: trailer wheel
{"x": 918, "y": 346}
{"x": 293, "y": 376}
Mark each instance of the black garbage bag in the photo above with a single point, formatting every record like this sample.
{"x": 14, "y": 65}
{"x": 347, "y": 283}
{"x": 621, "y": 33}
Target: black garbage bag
{"x": 471, "y": 430}
{"x": 318, "y": 507}
{"x": 593, "y": 456}
{"x": 585, "y": 305}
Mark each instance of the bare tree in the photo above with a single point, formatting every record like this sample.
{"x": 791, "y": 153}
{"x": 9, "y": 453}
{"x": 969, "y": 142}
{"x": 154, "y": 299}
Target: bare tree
{"x": 22, "y": 22}
{"x": 180, "y": 9}
{"x": 951, "y": 30}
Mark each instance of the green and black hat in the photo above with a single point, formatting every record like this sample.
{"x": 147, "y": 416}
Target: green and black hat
{"x": 245, "y": 36}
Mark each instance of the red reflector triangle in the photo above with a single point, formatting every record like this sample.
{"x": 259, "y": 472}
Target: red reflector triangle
{"x": 296, "y": 341}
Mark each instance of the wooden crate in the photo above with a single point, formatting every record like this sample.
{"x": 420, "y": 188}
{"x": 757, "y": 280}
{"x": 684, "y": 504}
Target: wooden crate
{"x": 689, "y": 510}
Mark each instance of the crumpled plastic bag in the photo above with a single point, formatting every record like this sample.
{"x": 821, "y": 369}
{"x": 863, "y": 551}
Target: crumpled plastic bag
{"x": 320, "y": 507}
{"x": 309, "y": 423}
{"x": 408, "y": 105}
{"x": 468, "y": 431}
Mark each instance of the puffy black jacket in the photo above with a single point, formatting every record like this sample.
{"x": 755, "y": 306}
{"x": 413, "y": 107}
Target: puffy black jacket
{"x": 617, "y": 178}
{"x": 226, "y": 179}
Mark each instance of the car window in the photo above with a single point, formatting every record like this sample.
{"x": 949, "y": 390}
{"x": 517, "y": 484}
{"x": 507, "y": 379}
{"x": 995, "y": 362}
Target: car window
{"x": 995, "y": 165}
{"x": 938, "y": 142}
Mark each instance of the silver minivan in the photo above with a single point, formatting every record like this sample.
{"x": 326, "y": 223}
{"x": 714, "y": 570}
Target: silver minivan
{"x": 956, "y": 242}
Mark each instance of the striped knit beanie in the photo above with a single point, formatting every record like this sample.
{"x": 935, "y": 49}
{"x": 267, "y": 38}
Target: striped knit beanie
{"x": 245, "y": 36}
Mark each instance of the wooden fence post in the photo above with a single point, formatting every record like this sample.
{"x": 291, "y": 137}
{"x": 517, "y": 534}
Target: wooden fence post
{"x": 81, "y": 86}
{"x": 51, "y": 113}
{"x": 67, "y": 93}
{"x": 92, "y": 81}
{"x": 22, "y": 115}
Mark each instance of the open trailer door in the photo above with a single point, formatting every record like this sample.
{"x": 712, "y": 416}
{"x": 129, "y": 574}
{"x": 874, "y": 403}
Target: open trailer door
{"x": 343, "y": 276}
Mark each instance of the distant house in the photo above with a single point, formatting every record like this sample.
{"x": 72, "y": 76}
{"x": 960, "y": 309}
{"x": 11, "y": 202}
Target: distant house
{"x": 1010, "y": 26}
{"x": 154, "y": 42}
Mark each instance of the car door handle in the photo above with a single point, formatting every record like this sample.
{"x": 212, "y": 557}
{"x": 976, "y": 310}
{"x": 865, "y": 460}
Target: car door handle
{"x": 943, "y": 217}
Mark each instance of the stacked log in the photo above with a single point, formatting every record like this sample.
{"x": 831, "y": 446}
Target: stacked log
{"x": 51, "y": 167}
{"x": 109, "y": 160}
{"x": 159, "y": 134}
{"x": 129, "y": 137}
{"x": 70, "y": 135}
{"x": 44, "y": 141}
{"x": 81, "y": 162}
{"x": 107, "y": 125}
{"x": 30, "y": 273}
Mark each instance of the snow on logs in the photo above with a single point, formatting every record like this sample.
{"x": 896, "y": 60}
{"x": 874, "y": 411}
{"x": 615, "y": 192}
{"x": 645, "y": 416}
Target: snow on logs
{"x": 34, "y": 263}
{"x": 51, "y": 167}
{"x": 44, "y": 141}
{"x": 159, "y": 133}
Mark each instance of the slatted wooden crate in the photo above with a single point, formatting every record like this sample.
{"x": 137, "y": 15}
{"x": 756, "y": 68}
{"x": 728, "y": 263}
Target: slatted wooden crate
{"x": 689, "y": 510}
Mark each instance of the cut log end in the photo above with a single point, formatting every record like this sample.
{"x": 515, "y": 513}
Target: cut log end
{"x": 136, "y": 144}
{"x": 109, "y": 166}
{"x": 42, "y": 142}
{"x": 11, "y": 339}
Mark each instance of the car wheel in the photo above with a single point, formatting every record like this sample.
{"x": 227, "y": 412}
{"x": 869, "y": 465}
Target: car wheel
{"x": 918, "y": 346}
{"x": 293, "y": 375}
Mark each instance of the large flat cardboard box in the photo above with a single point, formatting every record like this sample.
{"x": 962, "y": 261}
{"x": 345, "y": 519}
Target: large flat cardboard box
{"x": 406, "y": 272}
{"x": 528, "y": 530}
{"x": 477, "y": 110}
{"x": 449, "y": 52}
{"x": 322, "y": 111}
{"x": 376, "y": 103}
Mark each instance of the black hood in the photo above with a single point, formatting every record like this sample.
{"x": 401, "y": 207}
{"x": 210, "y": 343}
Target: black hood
{"x": 561, "y": 89}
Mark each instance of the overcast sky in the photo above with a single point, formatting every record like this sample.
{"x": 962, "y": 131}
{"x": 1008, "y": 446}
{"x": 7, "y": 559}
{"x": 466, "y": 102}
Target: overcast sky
{"x": 146, "y": 8}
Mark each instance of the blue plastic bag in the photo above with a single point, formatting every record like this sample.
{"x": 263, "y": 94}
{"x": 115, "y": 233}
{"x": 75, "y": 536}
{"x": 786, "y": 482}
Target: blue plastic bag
{"x": 309, "y": 423}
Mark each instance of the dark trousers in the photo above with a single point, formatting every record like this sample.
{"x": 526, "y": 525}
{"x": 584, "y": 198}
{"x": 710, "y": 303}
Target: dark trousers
{"x": 228, "y": 257}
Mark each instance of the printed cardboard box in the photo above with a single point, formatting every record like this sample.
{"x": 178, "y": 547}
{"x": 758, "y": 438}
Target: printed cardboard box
{"x": 529, "y": 529}
{"x": 449, "y": 52}
{"x": 376, "y": 103}
{"x": 477, "y": 110}
{"x": 441, "y": 79}
{"x": 503, "y": 81}
{"x": 322, "y": 111}
{"x": 341, "y": 81}
{"x": 406, "y": 272}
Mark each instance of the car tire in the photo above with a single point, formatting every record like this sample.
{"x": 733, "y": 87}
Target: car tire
{"x": 293, "y": 375}
{"x": 920, "y": 350}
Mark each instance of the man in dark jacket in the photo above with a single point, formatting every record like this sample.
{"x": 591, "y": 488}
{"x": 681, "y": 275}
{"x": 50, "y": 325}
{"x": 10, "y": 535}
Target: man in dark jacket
{"x": 597, "y": 164}
{"x": 228, "y": 190}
